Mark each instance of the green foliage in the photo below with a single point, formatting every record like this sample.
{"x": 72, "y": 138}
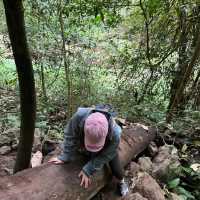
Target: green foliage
{"x": 11, "y": 120}
{"x": 8, "y": 73}
{"x": 174, "y": 183}
{"x": 107, "y": 50}
{"x": 185, "y": 182}
{"x": 184, "y": 193}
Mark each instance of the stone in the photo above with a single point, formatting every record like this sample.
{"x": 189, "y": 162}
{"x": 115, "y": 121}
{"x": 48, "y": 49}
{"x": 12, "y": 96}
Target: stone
{"x": 7, "y": 163}
{"x": 4, "y": 140}
{"x": 132, "y": 169}
{"x": 135, "y": 196}
{"x": 4, "y": 150}
{"x": 167, "y": 159}
{"x": 160, "y": 170}
{"x": 174, "y": 196}
{"x": 14, "y": 145}
{"x": 166, "y": 152}
{"x": 9, "y": 137}
{"x": 148, "y": 187}
{"x": 145, "y": 164}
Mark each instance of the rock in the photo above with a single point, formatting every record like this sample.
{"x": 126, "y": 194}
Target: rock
{"x": 9, "y": 137}
{"x": 135, "y": 196}
{"x": 132, "y": 169}
{"x": 166, "y": 152}
{"x": 4, "y": 172}
{"x": 7, "y": 164}
{"x": 174, "y": 196}
{"x": 4, "y": 140}
{"x": 152, "y": 149}
{"x": 145, "y": 164}
{"x": 8, "y": 171}
{"x": 166, "y": 160}
{"x": 148, "y": 187}
{"x": 195, "y": 167}
{"x": 4, "y": 150}
{"x": 36, "y": 159}
{"x": 131, "y": 172}
{"x": 14, "y": 145}
{"x": 160, "y": 170}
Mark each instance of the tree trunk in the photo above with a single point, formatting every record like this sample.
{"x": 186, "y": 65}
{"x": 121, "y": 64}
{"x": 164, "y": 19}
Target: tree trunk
{"x": 43, "y": 82}
{"x": 15, "y": 22}
{"x": 182, "y": 64}
{"x": 185, "y": 78}
{"x": 66, "y": 61}
{"x": 191, "y": 92}
{"x": 62, "y": 182}
{"x": 148, "y": 54}
{"x": 196, "y": 104}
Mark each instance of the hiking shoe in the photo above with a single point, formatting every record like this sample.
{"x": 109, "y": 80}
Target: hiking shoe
{"x": 123, "y": 188}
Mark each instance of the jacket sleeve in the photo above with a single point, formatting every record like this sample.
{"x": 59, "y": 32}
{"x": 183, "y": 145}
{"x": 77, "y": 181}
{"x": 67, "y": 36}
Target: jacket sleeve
{"x": 71, "y": 140}
{"x": 105, "y": 156}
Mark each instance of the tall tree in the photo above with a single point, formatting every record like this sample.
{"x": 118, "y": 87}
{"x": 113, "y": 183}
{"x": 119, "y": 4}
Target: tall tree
{"x": 184, "y": 80}
{"x": 16, "y": 27}
{"x": 182, "y": 59}
{"x": 185, "y": 67}
{"x": 66, "y": 60}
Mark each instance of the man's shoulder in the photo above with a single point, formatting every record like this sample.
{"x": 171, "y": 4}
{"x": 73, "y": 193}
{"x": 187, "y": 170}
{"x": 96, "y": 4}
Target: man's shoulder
{"x": 117, "y": 130}
{"x": 82, "y": 111}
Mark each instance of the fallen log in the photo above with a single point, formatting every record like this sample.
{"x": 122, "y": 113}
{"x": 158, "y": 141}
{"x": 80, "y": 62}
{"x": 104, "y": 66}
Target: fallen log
{"x": 48, "y": 182}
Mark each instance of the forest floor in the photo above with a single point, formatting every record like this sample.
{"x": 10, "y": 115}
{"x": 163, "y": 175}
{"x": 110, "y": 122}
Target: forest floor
{"x": 168, "y": 169}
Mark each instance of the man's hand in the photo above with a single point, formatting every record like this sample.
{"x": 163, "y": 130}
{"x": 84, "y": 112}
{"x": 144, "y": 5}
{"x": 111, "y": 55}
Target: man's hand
{"x": 55, "y": 160}
{"x": 85, "y": 180}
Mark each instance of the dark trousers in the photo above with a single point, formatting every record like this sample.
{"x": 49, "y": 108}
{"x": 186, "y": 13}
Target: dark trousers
{"x": 116, "y": 168}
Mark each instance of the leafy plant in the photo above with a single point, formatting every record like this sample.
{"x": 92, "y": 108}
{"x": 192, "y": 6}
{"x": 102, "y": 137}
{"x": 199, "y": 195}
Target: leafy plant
{"x": 185, "y": 183}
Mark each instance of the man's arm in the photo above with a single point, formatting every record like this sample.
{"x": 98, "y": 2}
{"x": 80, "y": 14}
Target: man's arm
{"x": 71, "y": 140}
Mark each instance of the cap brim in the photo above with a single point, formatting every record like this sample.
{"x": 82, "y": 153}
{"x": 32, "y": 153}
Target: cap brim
{"x": 93, "y": 147}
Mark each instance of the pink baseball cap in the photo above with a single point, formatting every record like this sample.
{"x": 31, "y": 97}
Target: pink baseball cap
{"x": 96, "y": 130}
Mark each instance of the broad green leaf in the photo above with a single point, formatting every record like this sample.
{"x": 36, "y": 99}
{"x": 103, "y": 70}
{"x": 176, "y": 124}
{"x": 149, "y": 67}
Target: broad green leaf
{"x": 42, "y": 124}
{"x": 181, "y": 190}
{"x": 174, "y": 183}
